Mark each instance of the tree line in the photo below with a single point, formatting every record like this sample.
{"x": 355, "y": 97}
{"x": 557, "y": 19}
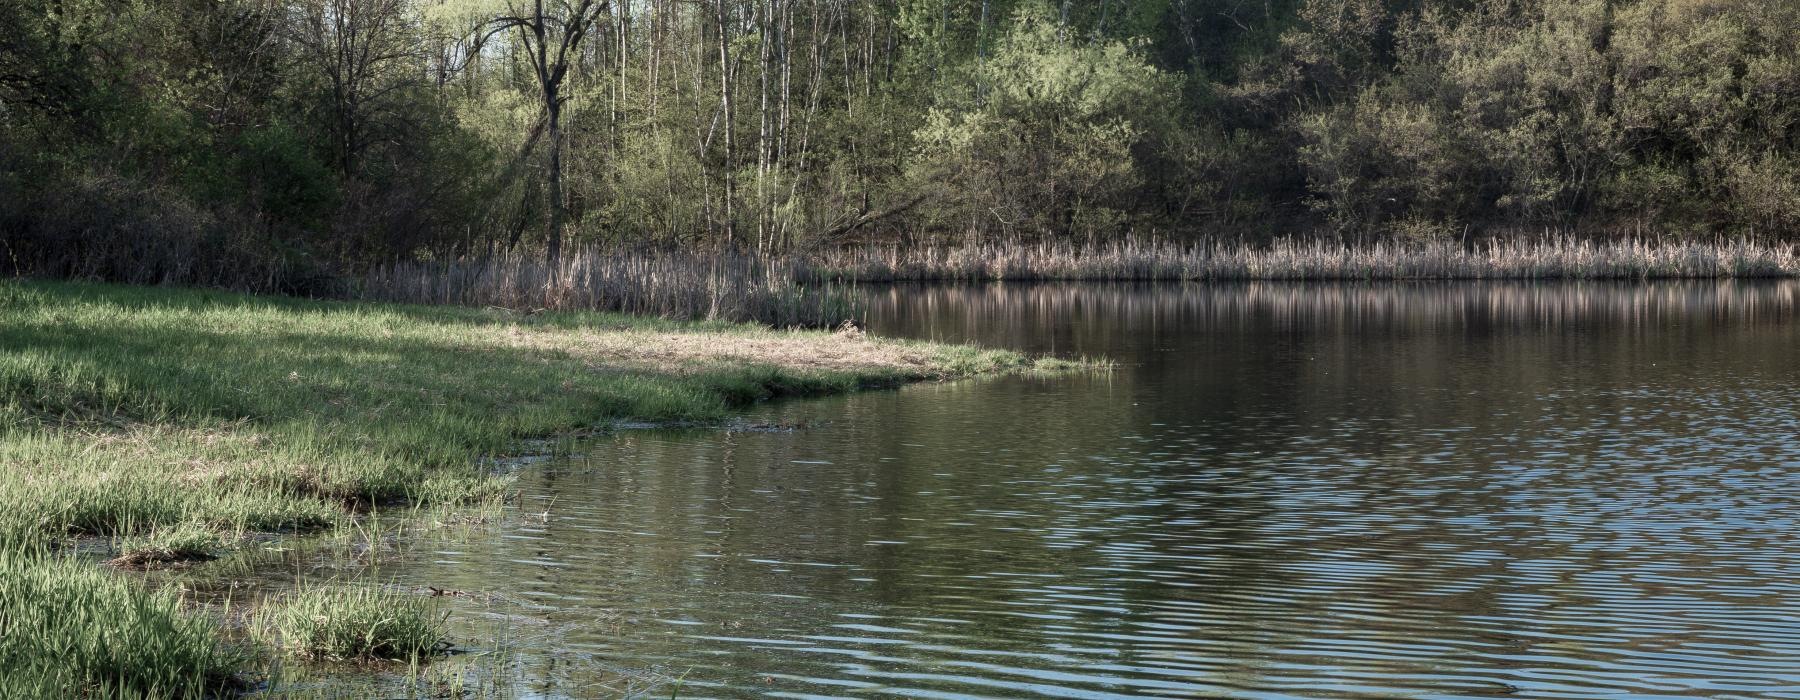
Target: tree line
{"x": 277, "y": 143}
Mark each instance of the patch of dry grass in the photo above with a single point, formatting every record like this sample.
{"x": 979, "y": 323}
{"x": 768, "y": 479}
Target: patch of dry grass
{"x": 688, "y": 352}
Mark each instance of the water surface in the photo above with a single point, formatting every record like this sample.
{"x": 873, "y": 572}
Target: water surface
{"x": 1463, "y": 490}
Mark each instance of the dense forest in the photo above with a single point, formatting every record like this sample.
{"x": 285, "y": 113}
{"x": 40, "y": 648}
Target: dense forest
{"x": 267, "y": 142}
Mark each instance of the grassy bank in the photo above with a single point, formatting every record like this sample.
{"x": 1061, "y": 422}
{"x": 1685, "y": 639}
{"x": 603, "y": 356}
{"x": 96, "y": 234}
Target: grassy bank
{"x": 178, "y": 423}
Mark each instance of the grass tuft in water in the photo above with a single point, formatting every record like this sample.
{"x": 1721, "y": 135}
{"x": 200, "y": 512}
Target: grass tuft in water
{"x": 186, "y": 543}
{"x": 326, "y": 622}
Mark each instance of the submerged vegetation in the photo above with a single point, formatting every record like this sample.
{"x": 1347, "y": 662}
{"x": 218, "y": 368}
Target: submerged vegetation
{"x": 178, "y": 423}
{"x": 186, "y": 543}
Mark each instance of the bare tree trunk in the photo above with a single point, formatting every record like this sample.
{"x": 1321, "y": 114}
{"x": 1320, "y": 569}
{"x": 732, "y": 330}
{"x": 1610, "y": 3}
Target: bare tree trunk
{"x": 981, "y": 54}
{"x": 725, "y": 81}
{"x": 1187, "y": 32}
{"x": 763, "y": 141}
{"x": 785, "y": 45}
{"x": 943, "y": 34}
{"x": 887, "y": 58}
{"x": 553, "y": 113}
{"x": 550, "y": 70}
{"x": 554, "y": 245}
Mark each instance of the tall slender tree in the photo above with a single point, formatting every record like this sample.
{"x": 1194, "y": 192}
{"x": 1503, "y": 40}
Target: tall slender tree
{"x": 549, "y": 35}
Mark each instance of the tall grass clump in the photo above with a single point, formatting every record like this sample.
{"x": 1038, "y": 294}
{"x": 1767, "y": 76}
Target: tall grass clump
{"x": 68, "y": 629}
{"x": 352, "y": 623}
{"x": 185, "y": 543}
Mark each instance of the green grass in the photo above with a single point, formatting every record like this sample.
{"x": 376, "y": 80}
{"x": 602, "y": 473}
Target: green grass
{"x": 178, "y": 422}
{"x": 351, "y": 623}
{"x": 68, "y": 629}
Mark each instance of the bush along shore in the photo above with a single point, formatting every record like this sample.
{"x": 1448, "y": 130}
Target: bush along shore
{"x": 169, "y": 425}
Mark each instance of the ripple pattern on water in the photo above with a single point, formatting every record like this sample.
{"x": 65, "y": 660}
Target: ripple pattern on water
{"x": 1399, "y": 491}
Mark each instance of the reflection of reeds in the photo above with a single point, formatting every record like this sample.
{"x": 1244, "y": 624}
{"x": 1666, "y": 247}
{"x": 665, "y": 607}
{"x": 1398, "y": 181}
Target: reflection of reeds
{"x": 676, "y": 285}
{"x": 1006, "y": 314}
{"x": 1548, "y": 258}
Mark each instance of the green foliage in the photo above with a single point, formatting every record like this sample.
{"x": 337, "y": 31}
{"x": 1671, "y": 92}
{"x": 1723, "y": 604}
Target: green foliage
{"x": 1560, "y": 111}
{"x": 137, "y": 137}
{"x": 1050, "y": 141}
{"x": 278, "y": 174}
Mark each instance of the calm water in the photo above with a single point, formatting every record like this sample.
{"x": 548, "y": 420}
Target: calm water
{"x": 1282, "y": 491}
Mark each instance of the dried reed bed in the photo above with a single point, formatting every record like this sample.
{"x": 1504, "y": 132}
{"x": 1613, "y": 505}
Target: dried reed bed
{"x": 1289, "y": 259}
{"x": 816, "y": 290}
{"x": 724, "y": 287}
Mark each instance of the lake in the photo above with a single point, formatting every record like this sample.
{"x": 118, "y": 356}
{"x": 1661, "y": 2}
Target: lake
{"x": 1282, "y": 490}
